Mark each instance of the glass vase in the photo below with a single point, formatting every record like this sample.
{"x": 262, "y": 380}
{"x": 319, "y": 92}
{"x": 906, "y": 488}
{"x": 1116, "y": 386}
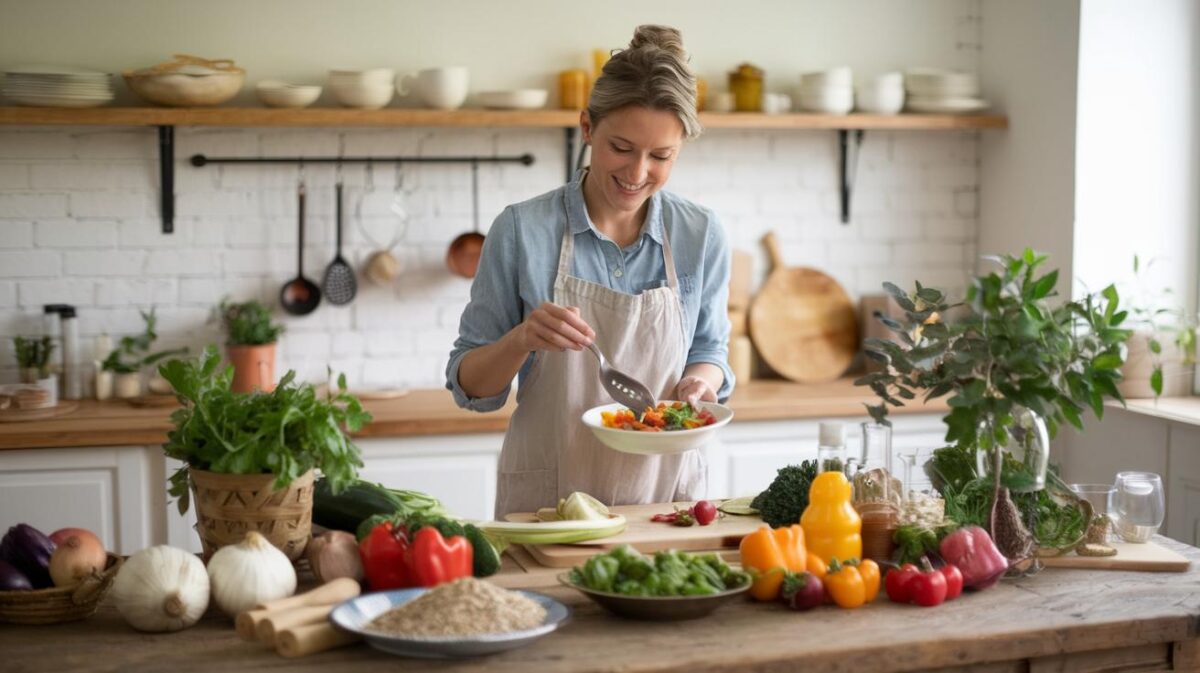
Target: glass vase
{"x": 1024, "y": 453}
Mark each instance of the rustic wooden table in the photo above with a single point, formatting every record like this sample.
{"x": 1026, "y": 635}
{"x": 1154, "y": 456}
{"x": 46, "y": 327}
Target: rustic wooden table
{"x": 1058, "y": 620}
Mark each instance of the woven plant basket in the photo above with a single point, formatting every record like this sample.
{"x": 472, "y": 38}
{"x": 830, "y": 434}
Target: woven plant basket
{"x": 230, "y": 505}
{"x": 59, "y": 604}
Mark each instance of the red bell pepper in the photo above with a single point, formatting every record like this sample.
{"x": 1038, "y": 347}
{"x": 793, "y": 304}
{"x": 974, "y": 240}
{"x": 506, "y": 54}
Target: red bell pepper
{"x": 393, "y": 559}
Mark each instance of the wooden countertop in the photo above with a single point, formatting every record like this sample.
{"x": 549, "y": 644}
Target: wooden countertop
{"x": 1060, "y": 620}
{"x": 427, "y": 412}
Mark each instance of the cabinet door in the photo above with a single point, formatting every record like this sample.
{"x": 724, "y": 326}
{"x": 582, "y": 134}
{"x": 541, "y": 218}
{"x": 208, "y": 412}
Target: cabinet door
{"x": 1183, "y": 484}
{"x": 104, "y": 490}
{"x": 459, "y": 470}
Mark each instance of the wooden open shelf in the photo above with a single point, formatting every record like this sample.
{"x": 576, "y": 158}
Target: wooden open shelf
{"x": 317, "y": 117}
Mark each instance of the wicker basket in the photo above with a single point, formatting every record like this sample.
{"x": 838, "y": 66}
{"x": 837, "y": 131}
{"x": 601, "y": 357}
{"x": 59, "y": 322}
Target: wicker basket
{"x": 230, "y": 505}
{"x": 59, "y": 604}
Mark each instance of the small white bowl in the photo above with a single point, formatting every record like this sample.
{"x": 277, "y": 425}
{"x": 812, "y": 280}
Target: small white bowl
{"x": 520, "y": 99}
{"x": 363, "y": 96}
{"x": 935, "y": 83}
{"x": 655, "y": 443}
{"x": 880, "y": 100}
{"x": 837, "y": 101}
{"x": 835, "y": 77}
{"x": 281, "y": 94}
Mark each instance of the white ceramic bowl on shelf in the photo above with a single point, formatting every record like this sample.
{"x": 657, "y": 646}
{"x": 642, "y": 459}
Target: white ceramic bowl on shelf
{"x": 520, "y": 99}
{"x": 838, "y": 101}
{"x": 887, "y": 100}
{"x": 367, "y": 97}
{"x": 655, "y": 443}
{"x": 274, "y": 93}
{"x": 840, "y": 77}
{"x": 937, "y": 83}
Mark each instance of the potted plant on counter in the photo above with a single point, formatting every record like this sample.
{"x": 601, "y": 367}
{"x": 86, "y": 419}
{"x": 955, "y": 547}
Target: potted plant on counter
{"x": 131, "y": 355}
{"x": 249, "y": 458}
{"x": 33, "y": 360}
{"x": 1016, "y": 368}
{"x": 1162, "y": 348}
{"x": 250, "y": 344}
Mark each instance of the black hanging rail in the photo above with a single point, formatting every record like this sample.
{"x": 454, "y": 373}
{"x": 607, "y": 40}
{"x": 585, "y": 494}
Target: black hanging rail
{"x": 200, "y": 160}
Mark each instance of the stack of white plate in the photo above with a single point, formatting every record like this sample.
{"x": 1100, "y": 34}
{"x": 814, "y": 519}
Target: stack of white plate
{"x": 882, "y": 95}
{"x": 57, "y": 86}
{"x": 367, "y": 89}
{"x": 828, "y": 91}
{"x": 942, "y": 91}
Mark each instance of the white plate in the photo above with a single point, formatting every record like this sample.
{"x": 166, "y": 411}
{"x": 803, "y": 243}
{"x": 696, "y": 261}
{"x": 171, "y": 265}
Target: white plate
{"x": 521, "y": 99}
{"x": 356, "y": 613}
{"x": 655, "y": 443}
{"x": 946, "y": 105}
{"x": 56, "y": 101}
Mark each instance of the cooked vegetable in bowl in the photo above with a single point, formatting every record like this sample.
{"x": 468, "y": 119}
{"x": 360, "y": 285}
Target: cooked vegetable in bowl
{"x": 613, "y": 425}
{"x": 665, "y": 417}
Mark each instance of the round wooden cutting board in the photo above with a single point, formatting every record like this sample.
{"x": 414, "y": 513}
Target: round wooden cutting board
{"x": 802, "y": 322}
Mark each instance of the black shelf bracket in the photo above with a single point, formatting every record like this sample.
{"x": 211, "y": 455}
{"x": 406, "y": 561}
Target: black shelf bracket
{"x": 166, "y": 176}
{"x": 848, "y": 167}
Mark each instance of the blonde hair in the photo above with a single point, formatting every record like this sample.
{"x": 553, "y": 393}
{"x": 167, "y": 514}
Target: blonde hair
{"x": 652, "y": 72}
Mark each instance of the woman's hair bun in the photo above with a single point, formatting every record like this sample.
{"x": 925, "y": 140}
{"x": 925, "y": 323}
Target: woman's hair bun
{"x": 663, "y": 37}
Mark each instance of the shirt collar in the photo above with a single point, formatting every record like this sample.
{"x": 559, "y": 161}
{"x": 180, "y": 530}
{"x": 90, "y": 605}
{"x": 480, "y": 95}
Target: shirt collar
{"x": 579, "y": 222}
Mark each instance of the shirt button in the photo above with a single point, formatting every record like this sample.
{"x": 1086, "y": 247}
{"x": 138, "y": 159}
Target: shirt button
{"x": 618, "y": 273}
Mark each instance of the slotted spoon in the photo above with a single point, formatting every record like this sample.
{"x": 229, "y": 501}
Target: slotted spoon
{"x": 623, "y": 388}
{"x": 339, "y": 283}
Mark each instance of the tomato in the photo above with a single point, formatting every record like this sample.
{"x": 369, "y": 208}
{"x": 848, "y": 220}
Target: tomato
{"x": 928, "y": 588}
{"x": 954, "y": 581}
{"x": 897, "y": 583}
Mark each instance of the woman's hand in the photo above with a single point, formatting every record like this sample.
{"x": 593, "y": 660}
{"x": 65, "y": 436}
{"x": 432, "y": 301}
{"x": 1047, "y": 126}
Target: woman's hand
{"x": 551, "y": 327}
{"x": 693, "y": 389}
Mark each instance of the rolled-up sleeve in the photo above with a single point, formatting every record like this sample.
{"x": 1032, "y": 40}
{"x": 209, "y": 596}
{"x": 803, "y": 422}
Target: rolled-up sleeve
{"x": 711, "y": 341}
{"x": 495, "y": 307}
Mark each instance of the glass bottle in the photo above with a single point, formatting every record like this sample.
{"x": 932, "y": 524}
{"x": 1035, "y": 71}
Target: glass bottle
{"x": 831, "y": 447}
{"x": 876, "y": 495}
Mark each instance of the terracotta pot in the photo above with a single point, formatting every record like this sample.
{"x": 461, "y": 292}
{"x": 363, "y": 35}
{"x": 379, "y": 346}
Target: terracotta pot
{"x": 253, "y": 367}
{"x": 127, "y": 385}
{"x": 1139, "y": 364}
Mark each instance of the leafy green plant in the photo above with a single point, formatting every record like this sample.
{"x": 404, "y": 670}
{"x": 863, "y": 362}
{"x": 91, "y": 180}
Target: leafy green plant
{"x": 286, "y": 432}
{"x": 133, "y": 352}
{"x": 1010, "y": 347}
{"x": 1149, "y": 312}
{"x": 248, "y": 323}
{"x": 34, "y": 353}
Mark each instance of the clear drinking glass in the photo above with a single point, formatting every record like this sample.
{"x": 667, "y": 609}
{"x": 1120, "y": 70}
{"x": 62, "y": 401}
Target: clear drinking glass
{"x": 908, "y": 455}
{"x": 1099, "y": 495}
{"x": 1138, "y": 505}
{"x": 876, "y": 453}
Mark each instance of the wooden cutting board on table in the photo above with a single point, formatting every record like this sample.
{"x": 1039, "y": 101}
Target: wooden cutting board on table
{"x": 802, "y": 322}
{"x": 645, "y": 535}
{"x": 1147, "y": 556}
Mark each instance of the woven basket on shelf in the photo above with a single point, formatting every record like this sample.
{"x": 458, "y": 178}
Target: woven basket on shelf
{"x": 230, "y": 505}
{"x": 59, "y": 604}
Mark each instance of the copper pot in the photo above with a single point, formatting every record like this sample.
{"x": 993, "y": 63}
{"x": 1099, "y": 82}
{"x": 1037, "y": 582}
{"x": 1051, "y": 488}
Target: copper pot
{"x": 462, "y": 258}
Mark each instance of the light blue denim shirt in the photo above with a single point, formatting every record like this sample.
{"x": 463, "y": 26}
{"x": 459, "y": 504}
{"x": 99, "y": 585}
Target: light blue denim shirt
{"x": 520, "y": 260}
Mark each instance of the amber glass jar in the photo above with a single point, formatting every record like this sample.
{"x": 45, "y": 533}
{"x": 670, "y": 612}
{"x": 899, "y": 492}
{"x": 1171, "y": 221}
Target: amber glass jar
{"x": 573, "y": 88}
{"x": 746, "y": 84}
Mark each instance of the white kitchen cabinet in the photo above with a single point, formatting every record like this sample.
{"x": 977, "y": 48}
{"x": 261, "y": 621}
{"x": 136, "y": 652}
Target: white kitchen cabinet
{"x": 1183, "y": 484}
{"x": 105, "y": 490}
{"x": 459, "y": 470}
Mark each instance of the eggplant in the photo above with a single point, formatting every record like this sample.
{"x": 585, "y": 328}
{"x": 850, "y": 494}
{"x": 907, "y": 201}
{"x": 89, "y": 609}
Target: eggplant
{"x": 12, "y": 579}
{"x": 28, "y": 550}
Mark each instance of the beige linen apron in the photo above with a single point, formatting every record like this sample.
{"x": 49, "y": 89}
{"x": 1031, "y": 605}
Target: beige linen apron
{"x": 548, "y": 451}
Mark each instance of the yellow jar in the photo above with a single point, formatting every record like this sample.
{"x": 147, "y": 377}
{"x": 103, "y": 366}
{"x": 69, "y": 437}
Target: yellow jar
{"x": 599, "y": 58}
{"x": 701, "y": 93}
{"x": 746, "y": 84}
{"x": 573, "y": 86}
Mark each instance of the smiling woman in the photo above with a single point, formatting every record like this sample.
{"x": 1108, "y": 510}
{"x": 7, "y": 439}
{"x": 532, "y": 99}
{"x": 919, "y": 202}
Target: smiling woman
{"x": 609, "y": 258}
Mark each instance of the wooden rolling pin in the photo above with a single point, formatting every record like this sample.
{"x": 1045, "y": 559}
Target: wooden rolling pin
{"x": 299, "y": 641}
{"x": 280, "y": 620}
{"x": 328, "y": 594}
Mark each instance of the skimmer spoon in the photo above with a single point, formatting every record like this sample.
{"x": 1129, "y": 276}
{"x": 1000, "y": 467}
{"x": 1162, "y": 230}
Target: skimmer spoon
{"x": 623, "y": 388}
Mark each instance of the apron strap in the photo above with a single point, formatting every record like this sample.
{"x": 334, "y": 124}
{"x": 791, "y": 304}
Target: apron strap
{"x": 669, "y": 259}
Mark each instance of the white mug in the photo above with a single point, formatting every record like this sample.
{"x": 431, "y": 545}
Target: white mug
{"x": 441, "y": 88}
{"x": 721, "y": 101}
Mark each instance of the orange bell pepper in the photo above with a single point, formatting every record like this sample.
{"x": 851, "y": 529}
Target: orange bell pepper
{"x": 831, "y": 525}
{"x": 817, "y": 567}
{"x": 769, "y": 555}
{"x": 852, "y": 584}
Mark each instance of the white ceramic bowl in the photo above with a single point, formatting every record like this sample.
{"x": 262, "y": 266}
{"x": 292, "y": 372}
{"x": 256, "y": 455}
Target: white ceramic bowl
{"x": 282, "y": 94}
{"x": 835, "y": 77}
{"x": 880, "y": 100}
{"x": 837, "y": 101}
{"x": 369, "y": 76}
{"x": 655, "y": 443}
{"x": 184, "y": 90}
{"x": 521, "y": 99}
{"x": 365, "y": 97}
{"x": 935, "y": 83}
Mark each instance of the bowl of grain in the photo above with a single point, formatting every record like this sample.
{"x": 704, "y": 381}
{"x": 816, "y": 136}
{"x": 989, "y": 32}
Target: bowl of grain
{"x": 464, "y": 618}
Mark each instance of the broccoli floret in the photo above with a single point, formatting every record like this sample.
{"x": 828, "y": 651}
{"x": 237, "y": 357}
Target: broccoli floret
{"x": 785, "y": 499}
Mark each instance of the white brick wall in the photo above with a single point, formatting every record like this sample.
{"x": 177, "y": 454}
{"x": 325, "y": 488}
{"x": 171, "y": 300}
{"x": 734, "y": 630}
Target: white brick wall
{"x": 78, "y": 223}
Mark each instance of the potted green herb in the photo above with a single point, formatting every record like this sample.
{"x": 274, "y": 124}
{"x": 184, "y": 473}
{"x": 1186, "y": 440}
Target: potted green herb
{"x": 249, "y": 458}
{"x": 250, "y": 344}
{"x": 1162, "y": 348}
{"x": 33, "y": 359}
{"x": 1016, "y": 368}
{"x": 132, "y": 354}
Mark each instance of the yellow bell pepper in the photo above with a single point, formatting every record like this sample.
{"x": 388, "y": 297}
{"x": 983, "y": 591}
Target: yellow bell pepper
{"x": 770, "y": 554}
{"x": 852, "y": 584}
{"x": 832, "y": 527}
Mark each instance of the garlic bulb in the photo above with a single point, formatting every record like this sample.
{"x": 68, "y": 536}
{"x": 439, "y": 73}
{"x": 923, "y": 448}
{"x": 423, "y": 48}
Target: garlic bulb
{"x": 248, "y": 573}
{"x": 161, "y": 589}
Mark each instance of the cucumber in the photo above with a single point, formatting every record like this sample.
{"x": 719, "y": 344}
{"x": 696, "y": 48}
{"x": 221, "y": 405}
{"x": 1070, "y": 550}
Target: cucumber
{"x": 346, "y": 510}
